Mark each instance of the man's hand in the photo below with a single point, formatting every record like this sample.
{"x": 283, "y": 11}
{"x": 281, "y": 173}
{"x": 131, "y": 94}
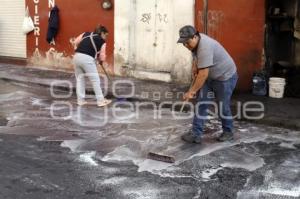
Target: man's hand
{"x": 197, "y": 84}
{"x": 189, "y": 95}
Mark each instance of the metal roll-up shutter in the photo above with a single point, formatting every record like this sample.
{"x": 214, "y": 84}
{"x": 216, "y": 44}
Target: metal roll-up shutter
{"x": 12, "y": 40}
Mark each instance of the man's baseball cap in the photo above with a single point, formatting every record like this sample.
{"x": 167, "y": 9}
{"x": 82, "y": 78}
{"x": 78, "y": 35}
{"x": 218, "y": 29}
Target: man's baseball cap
{"x": 186, "y": 33}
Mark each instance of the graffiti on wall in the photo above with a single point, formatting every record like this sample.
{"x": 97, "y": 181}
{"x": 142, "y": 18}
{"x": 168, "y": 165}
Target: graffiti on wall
{"x": 162, "y": 18}
{"x": 146, "y": 17}
{"x": 52, "y": 58}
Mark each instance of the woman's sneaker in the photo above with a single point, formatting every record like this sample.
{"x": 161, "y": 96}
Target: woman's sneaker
{"x": 81, "y": 102}
{"x": 190, "y": 137}
{"x": 104, "y": 102}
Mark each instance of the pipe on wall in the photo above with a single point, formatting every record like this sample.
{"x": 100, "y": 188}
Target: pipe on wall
{"x": 205, "y": 14}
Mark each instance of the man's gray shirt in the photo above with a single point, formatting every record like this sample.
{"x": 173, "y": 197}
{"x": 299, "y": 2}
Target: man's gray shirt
{"x": 211, "y": 54}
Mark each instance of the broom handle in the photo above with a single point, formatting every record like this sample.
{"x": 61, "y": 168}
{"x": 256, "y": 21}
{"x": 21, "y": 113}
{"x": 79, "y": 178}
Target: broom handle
{"x": 108, "y": 77}
{"x": 184, "y": 103}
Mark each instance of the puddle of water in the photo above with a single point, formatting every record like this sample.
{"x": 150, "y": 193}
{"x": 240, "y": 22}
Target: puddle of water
{"x": 289, "y": 145}
{"x": 17, "y": 95}
{"x": 7, "y": 86}
{"x": 40, "y": 139}
{"x": 295, "y": 192}
{"x": 248, "y": 164}
{"x": 249, "y": 194}
{"x": 281, "y": 181}
{"x": 144, "y": 192}
{"x": 123, "y": 153}
{"x": 114, "y": 180}
{"x": 238, "y": 159}
{"x": 38, "y": 102}
{"x": 152, "y": 166}
{"x": 142, "y": 129}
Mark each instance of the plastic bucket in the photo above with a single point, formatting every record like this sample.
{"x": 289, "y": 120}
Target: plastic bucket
{"x": 276, "y": 87}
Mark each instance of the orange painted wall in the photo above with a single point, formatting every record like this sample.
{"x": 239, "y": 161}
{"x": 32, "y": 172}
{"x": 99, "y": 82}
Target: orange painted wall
{"x": 76, "y": 16}
{"x": 239, "y": 26}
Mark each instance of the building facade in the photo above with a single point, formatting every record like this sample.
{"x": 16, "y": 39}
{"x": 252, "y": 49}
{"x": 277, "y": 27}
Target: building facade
{"x": 143, "y": 34}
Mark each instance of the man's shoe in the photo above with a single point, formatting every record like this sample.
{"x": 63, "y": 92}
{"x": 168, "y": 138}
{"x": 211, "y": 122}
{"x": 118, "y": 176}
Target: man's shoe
{"x": 191, "y": 138}
{"x": 226, "y": 136}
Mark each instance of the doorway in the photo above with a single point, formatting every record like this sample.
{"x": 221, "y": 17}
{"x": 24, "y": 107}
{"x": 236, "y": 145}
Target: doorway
{"x": 282, "y": 43}
{"x": 146, "y": 34}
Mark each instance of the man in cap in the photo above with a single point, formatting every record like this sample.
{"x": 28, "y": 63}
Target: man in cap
{"x": 214, "y": 71}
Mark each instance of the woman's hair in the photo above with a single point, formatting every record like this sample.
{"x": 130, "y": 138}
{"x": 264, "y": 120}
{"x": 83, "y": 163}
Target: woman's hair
{"x": 100, "y": 29}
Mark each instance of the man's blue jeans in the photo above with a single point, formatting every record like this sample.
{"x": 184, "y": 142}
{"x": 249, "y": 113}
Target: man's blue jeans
{"x": 222, "y": 91}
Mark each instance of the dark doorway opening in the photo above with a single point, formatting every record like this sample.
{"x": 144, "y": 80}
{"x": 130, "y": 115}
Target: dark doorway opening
{"x": 282, "y": 43}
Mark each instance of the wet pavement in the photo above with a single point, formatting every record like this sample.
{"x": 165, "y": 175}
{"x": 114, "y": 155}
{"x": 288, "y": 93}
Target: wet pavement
{"x": 51, "y": 148}
{"x": 283, "y": 112}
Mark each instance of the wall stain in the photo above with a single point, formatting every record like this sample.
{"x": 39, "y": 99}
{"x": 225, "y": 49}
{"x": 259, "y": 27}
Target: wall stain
{"x": 52, "y": 60}
{"x": 215, "y": 19}
{"x": 248, "y": 63}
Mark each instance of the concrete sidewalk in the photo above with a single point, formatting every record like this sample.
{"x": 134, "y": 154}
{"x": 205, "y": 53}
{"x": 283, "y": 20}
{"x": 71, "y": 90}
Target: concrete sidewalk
{"x": 278, "y": 112}
{"x": 121, "y": 86}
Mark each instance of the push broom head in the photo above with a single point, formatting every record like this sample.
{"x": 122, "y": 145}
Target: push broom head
{"x": 159, "y": 157}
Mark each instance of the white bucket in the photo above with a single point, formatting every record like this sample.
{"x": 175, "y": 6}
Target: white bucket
{"x": 276, "y": 87}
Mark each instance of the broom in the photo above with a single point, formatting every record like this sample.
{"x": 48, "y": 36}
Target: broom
{"x": 162, "y": 157}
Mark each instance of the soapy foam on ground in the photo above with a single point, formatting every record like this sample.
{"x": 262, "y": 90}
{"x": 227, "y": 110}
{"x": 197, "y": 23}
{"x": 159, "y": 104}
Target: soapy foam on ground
{"x": 123, "y": 153}
{"x": 88, "y": 158}
{"x": 206, "y": 174}
{"x": 218, "y": 146}
{"x": 72, "y": 144}
{"x": 37, "y": 102}
{"x": 198, "y": 195}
